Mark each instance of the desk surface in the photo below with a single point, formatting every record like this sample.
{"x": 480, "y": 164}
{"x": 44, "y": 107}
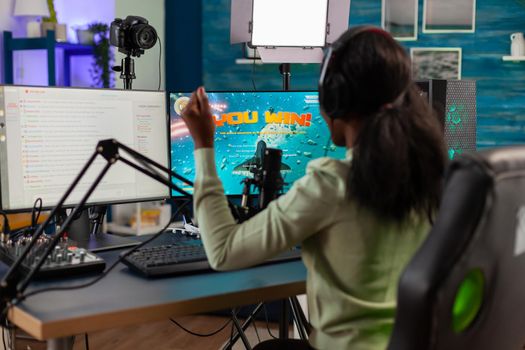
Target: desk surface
{"x": 123, "y": 298}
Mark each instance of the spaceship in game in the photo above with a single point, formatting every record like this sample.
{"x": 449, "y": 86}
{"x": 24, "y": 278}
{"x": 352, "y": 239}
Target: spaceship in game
{"x": 248, "y": 167}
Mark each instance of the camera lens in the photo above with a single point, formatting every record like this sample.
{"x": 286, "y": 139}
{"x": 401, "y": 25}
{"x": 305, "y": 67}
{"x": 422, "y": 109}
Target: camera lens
{"x": 145, "y": 36}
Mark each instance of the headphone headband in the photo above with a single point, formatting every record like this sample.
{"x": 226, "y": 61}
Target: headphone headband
{"x": 329, "y": 97}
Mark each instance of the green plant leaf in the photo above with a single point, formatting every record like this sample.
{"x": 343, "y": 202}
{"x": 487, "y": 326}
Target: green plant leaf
{"x": 101, "y": 71}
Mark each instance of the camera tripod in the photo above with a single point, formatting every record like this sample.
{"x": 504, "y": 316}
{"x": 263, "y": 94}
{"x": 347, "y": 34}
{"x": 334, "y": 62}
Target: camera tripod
{"x": 127, "y": 71}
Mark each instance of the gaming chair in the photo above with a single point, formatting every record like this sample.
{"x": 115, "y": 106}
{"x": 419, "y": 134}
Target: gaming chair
{"x": 465, "y": 287}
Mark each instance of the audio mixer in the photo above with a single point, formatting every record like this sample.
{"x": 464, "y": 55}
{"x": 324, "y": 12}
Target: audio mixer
{"x": 65, "y": 259}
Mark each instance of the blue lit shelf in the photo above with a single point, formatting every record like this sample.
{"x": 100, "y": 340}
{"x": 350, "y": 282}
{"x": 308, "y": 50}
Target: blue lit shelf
{"x": 47, "y": 43}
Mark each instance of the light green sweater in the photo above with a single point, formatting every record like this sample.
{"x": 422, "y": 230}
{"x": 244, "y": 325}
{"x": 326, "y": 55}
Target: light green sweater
{"x": 354, "y": 259}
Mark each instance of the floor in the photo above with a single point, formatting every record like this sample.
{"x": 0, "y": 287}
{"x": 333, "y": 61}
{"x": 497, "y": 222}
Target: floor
{"x": 166, "y": 335}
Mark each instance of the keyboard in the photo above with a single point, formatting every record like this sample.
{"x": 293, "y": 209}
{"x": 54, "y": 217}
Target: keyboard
{"x": 182, "y": 255}
{"x": 66, "y": 259}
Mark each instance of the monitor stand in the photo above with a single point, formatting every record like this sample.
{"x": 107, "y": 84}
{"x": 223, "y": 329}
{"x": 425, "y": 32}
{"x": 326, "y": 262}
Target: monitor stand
{"x": 94, "y": 240}
{"x": 102, "y": 241}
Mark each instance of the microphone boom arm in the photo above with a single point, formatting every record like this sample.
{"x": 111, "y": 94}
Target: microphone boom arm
{"x": 13, "y": 285}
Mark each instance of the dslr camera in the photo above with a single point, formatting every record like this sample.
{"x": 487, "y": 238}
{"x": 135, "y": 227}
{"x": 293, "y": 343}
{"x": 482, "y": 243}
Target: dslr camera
{"x": 132, "y": 35}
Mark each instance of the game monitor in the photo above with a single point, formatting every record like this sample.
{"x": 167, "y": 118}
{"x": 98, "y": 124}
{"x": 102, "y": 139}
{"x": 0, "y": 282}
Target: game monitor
{"x": 47, "y": 134}
{"x": 290, "y": 121}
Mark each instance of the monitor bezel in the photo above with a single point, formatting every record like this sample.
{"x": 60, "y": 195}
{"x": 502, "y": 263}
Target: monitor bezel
{"x": 89, "y": 204}
{"x": 168, "y": 94}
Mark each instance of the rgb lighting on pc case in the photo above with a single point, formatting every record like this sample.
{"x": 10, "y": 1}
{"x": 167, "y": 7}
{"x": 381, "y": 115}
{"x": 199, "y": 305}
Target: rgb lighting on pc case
{"x": 455, "y": 103}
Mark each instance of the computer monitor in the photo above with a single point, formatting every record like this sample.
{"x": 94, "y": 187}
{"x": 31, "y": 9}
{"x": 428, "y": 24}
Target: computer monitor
{"x": 290, "y": 121}
{"x": 47, "y": 134}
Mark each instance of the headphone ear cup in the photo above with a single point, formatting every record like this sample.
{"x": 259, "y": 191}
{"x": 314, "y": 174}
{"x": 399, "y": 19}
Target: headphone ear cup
{"x": 334, "y": 88}
{"x": 333, "y": 99}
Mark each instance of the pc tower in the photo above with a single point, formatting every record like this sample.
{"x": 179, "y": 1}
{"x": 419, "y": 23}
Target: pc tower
{"x": 455, "y": 103}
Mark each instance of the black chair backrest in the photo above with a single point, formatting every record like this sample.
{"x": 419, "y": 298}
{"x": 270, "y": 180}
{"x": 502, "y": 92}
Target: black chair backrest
{"x": 465, "y": 287}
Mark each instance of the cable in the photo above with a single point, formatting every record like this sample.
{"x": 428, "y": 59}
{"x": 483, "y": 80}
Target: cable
{"x": 201, "y": 334}
{"x": 86, "y": 341}
{"x": 10, "y": 340}
{"x": 7, "y": 229}
{"x": 108, "y": 270}
{"x": 79, "y": 212}
{"x": 37, "y": 208}
{"x": 9, "y": 344}
{"x": 6, "y": 327}
{"x": 3, "y": 338}
{"x": 6, "y": 324}
{"x": 160, "y": 64}
{"x": 268, "y": 323}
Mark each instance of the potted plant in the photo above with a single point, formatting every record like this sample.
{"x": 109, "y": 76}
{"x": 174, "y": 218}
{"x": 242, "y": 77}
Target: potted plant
{"x": 101, "y": 72}
{"x": 51, "y": 23}
{"x": 84, "y": 35}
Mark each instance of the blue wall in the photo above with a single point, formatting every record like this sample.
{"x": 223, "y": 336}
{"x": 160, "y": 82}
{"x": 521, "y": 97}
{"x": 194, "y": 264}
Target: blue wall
{"x": 501, "y": 85}
{"x": 183, "y": 45}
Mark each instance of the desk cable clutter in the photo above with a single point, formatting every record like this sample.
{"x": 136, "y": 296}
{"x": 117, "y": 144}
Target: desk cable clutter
{"x": 15, "y": 282}
{"x": 266, "y": 177}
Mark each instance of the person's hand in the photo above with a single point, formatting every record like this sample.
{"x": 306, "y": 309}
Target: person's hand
{"x": 199, "y": 120}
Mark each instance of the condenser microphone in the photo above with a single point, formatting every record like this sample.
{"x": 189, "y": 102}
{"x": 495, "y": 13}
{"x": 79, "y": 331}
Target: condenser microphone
{"x": 272, "y": 181}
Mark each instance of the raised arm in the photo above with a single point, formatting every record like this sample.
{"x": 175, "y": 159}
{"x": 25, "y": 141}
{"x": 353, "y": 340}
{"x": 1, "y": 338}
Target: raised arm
{"x": 306, "y": 209}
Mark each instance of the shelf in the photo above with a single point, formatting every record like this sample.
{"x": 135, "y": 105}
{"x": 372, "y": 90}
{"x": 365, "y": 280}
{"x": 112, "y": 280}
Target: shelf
{"x": 47, "y": 43}
{"x": 248, "y": 61}
{"x": 513, "y": 58}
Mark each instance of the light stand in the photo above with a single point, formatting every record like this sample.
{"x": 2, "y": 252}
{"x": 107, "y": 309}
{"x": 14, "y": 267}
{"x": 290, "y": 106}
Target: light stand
{"x": 285, "y": 70}
{"x": 14, "y": 283}
{"x": 241, "y": 31}
{"x": 303, "y": 326}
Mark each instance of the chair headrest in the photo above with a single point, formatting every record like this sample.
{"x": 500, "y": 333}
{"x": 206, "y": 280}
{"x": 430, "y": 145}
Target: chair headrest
{"x": 495, "y": 161}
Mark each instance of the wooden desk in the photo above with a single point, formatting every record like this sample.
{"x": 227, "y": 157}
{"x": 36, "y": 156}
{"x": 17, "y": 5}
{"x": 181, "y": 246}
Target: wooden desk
{"x": 124, "y": 298}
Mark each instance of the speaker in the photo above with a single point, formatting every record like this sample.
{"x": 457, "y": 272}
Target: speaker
{"x": 455, "y": 103}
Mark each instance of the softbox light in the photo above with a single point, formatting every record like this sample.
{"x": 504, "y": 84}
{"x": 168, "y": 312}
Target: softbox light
{"x": 296, "y": 23}
{"x": 291, "y": 31}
